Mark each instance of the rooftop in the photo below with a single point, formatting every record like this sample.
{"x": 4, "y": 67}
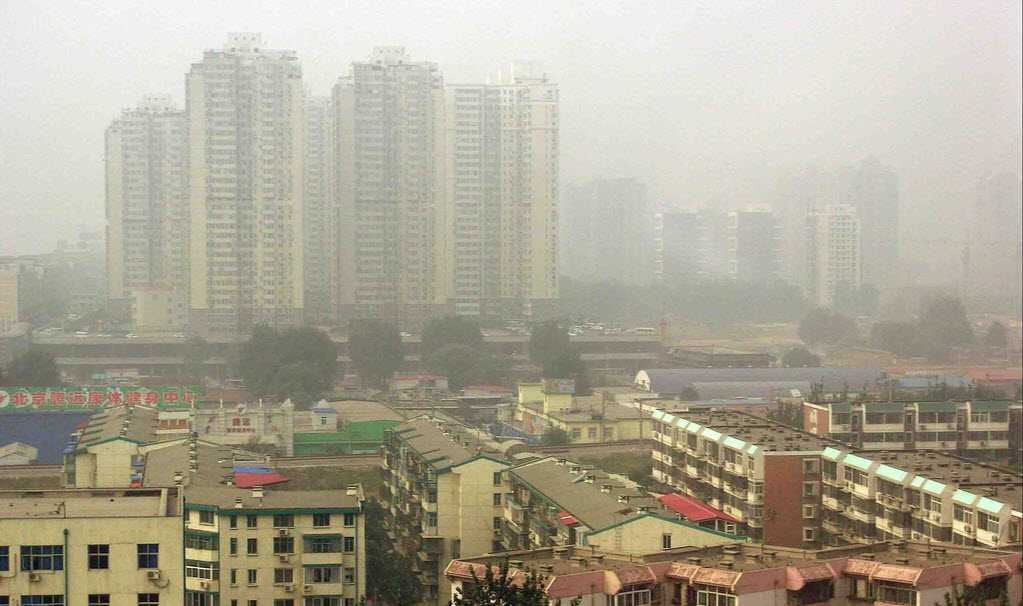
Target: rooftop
{"x": 230, "y": 497}
{"x": 135, "y": 423}
{"x": 94, "y": 503}
{"x": 765, "y": 433}
{"x": 442, "y": 441}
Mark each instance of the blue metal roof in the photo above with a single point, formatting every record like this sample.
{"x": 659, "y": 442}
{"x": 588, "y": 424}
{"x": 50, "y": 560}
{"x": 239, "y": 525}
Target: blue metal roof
{"x": 47, "y": 431}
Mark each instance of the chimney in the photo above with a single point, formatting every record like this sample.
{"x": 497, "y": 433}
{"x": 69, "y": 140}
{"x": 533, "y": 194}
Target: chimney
{"x": 694, "y": 560}
{"x": 257, "y": 492}
{"x": 517, "y": 564}
{"x": 605, "y": 488}
{"x": 561, "y": 553}
{"x": 903, "y": 561}
{"x": 237, "y": 502}
{"x": 547, "y": 568}
{"x": 866, "y": 556}
{"x": 727, "y": 564}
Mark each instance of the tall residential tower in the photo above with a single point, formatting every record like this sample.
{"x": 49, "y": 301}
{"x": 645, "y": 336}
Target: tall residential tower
{"x": 833, "y": 245}
{"x": 245, "y": 138}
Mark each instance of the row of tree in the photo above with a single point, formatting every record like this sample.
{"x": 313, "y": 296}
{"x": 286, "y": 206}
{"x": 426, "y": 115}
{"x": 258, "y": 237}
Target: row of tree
{"x": 942, "y": 325}
{"x": 33, "y": 368}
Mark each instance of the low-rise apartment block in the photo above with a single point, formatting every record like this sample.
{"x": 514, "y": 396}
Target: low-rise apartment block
{"x": 882, "y": 574}
{"x": 989, "y": 429}
{"x": 792, "y": 488}
{"x": 66, "y": 547}
{"x": 445, "y": 488}
{"x": 556, "y": 502}
{"x": 586, "y": 419}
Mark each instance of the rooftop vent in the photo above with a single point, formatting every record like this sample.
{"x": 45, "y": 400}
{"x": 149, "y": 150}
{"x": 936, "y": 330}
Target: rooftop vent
{"x": 694, "y": 560}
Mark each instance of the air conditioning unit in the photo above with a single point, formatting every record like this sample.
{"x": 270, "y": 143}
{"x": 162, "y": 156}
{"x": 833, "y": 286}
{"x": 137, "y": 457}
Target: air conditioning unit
{"x": 968, "y": 528}
{"x": 289, "y": 588}
{"x": 34, "y": 577}
{"x": 923, "y": 427}
{"x": 983, "y": 443}
{"x": 154, "y": 575}
{"x": 283, "y": 532}
{"x": 204, "y": 584}
{"x": 307, "y": 589}
{"x": 284, "y": 557}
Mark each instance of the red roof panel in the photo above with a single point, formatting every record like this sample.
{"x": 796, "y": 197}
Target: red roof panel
{"x": 248, "y": 480}
{"x": 692, "y": 509}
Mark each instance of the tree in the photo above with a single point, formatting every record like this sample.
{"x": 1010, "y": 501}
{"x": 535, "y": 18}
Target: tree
{"x": 464, "y": 365}
{"x": 689, "y": 394}
{"x": 298, "y": 363}
{"x": 375, "y": 349}
{"x": 548, "y": 340}
{"x": 787, "y": 413}
{"x": 853, "y": 301}
{"x": 900, "y": 338}
{"x": 500, "y": 589}
{"x": 197, "y": 351}
{"x": 34, "y": 368}
{"x": 800, "y": 357}
{"x": 450, "y": 330}
{"x": 997, "y": 335}
{"x": 825, "y": 326}
{"x": 943, "y": 325}
{"x": 389, "y": 575}
{"x": 553, "y": 436}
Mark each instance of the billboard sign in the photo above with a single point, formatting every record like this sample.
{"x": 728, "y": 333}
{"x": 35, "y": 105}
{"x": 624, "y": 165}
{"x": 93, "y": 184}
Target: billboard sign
{"x": 94, "y": 397}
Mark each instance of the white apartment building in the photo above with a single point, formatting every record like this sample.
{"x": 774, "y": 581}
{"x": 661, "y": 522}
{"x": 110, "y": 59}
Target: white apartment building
{"x": 389, "y": 150}
{"x": 834, "y": 255}
{"x": 147, "y": 208}
{"x": 320, "y": 212}
{"x": 502, "y": 194}
{"x": 245, "y": 139}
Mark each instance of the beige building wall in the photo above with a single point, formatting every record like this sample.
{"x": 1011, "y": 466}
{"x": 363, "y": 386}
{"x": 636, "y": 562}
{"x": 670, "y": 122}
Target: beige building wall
{"x": 123, "y": 581}
{"x": 106, "y": 465}
{"x": 646, "y": 534}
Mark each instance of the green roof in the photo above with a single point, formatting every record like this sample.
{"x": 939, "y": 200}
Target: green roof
{"x": 990, "y": 505}
{"x": 891, "y": 473}
{"x": 935, "y": 488}
{"x": 884, "y": 407}
{"x": 673, "y": 520}
{"x": 832, "y": 453}
{"x": 917, "y": 482}
{"x": 937, "y": 406}
{"x": 964, "y": 498}
{"x": 710, "y": 434}
{"x": 990, "y": 406}
{"x": 857, "y": 462}
{"x": 681, "y": 423}
{"x": 362, "y": 431}
{"x": 733, "y": 442}
{"x": 694, "y": 428}
{"x": 658, "y": 414}
{"x": 840, "y": 407}
{"x": 668, "y": 418}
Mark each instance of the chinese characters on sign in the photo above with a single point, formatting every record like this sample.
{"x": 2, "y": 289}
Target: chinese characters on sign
{"x": 88, "y": 397}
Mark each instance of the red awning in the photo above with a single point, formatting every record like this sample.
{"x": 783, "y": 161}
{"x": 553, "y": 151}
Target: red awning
{"x": 567, "y": 519}
{"x": 248, "y": 480}
{"x": 692, "y": 509}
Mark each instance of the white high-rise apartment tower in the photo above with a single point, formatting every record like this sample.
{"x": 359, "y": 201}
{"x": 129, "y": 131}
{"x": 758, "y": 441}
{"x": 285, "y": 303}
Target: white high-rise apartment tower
{"x": 389, "y": 154}
{"x": 147, "y": 208}
{"x": 833, "y": 245}
{"x": 245, "y": 137}
{"x": 320, "y": 213}
{"x": 502, "y": 195}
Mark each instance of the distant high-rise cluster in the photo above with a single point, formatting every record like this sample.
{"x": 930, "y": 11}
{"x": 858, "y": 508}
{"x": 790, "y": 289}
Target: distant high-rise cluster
{"x": 397, "y": 197}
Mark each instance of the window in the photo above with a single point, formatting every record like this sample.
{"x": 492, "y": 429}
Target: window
{"x": 5, "y": 558}
{"x": 42, "y": 600}
{"x": 284, "y": 575}
{"x": 199, "y": 569}
{"x": 232, "y": 546}
{"x": 591, "y": 432}
{"x": 497, "y": 499}
{"x": 42, "y": 557}
{"x": 349, "y": 576}
{"x": 253, "y": 602}
{"x": 323, "y": 544}
{"x": 252, "y": 576}
{"x": 497, "y": 478}
{"x": 810, "y": 466}
{"x": 349, "y": 519}
{"x": 321, "y": 519}
{"x": 639, "y": 597}
{"x": 284, "y": 545}
{"x": 809, "y": 512}
{"x": 5, "y": 601}
{"x": 895, "y": 594}
{"x": 349, "y": 544}
{"x": 284, "y": 602}
{"x": 809, "y": 489}
{"x": 232, "y": 521}
{"x": 710, "y": 595}
{"x": 666, "y": 540}
{"x": 284, "y": 520}
{"x": 251, "y": 521}
{"x": 323, "y": 600}
{"x": 497, "y": 522}
{"x": 200, "y": 540}
{"x": 609, "y": 433}
{"x": 813, "y": 592}
{"x": 252, "y": 546}
{"x": 99, "y": 599}
{"x": 206, "y": 518}
{"x": 234, "y": 576}
{"x": 809, "y": 534}
{"x": 323, "y": 574}
{"x": 201, "y": 598}
{"x": 149, "y": 599}
{"x": 148, "y": 556}
{"x": 577, "y": 433}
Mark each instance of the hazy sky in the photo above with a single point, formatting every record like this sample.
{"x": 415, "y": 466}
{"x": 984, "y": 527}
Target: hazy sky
{"x": 705, "y": 101}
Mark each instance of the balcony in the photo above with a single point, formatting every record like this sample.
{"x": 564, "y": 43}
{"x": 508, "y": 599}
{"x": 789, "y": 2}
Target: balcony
{"x": 692, "y": 472}
{"x": 829, "y": 480}
{"x": 832, "y": 504}
{"x": 831, "y": 526}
